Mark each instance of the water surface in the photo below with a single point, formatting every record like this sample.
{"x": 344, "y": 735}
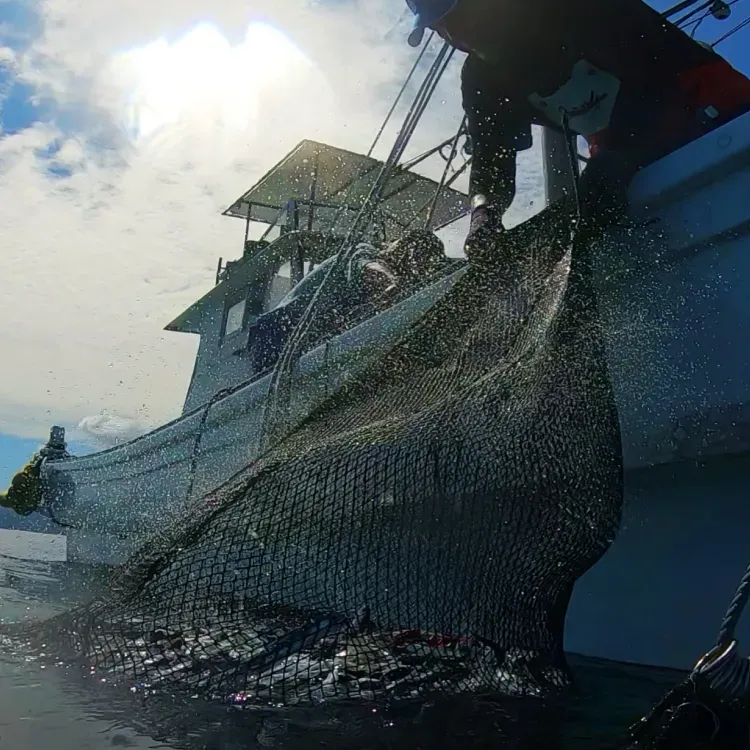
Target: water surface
{"x": 43, "y": 705}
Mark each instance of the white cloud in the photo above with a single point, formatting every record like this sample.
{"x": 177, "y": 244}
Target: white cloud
{"x": 108, "y": 430}
{"x": 7, "y": 57}
{"x": 95, "y": 264}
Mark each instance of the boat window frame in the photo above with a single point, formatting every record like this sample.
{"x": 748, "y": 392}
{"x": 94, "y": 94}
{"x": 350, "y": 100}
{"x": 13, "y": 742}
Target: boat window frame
{"x": 232, "y": 300}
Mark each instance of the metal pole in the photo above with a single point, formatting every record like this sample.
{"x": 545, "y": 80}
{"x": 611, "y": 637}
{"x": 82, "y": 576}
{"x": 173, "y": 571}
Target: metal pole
{"x": 313, "y": 190}
{"x": 422, "y": 157}
{"x": 295, "y": 214}
{"x": 448, "y": 162}
{"x": 247, "y": 227}
{"x": 296, "y": 266}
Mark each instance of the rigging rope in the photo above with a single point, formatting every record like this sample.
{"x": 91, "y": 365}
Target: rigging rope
{"x": 707, "y": 7}
{"x": 680, "y": 22}
{"x": 734, "y": 611}
{"x": 717, "y": 685}
{"x": 195, "y": 454}
{"x": 279, "y": 388}
{"x": 740, "y": 25}
{"x": 444, "y": 176}
{"x": 413, "y": 116}
{"x": 401, "y": 93}
{"x": 724, "y": 669}
{"x": 343, "y": 209}
{"x": 673, "y": 11}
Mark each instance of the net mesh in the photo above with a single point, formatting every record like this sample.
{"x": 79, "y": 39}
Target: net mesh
{"x": 422, "y": 531}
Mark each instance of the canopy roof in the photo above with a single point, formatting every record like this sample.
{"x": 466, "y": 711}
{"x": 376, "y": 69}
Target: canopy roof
{"x": 329, "y": 179}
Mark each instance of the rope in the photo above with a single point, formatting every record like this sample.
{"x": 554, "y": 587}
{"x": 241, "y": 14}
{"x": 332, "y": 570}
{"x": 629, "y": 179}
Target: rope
{"x": 48, "y": 508}
{"x": 280, "y": 379}
{"x": 680, "y": 22}
{"x": 678, "y": 8}
{"x": 740, "y": 25}
{"x": 444, "y": 176}
{"x": 723, "y": 674}
{"x": 724, "y": 669}
{"x": 734, "y": 611}
{"x": 401, "y": 92}
{"x": 192, "y": 471}
{"x": 45, "y": 455}
{"x": 727, "y": 672}
{"x": 685, "y": 21}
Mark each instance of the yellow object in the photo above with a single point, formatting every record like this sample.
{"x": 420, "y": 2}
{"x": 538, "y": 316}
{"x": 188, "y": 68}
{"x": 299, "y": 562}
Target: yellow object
{"x": 26, "y": 492}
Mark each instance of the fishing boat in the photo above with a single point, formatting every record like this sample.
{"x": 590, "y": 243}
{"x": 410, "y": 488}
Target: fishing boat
{"x": 672, "y": 292}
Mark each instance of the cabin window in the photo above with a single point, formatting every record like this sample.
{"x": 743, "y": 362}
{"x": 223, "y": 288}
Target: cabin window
{"x": 279, "y": 286}
{"x": 235, "y": 317}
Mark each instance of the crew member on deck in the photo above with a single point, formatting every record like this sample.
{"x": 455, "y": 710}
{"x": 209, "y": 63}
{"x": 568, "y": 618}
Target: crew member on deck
{"x": 373, "y": 277}
{"x": 613, "y": 71}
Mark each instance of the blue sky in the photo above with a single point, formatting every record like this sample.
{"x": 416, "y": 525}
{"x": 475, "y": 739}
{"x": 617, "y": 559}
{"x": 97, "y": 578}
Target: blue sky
{"x": 107, "y": 236}
{"x": 734, "y": 49}
{"x": 19, "y": 24}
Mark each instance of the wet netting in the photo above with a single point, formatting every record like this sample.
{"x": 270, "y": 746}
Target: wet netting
{"x": 420, "y": 533}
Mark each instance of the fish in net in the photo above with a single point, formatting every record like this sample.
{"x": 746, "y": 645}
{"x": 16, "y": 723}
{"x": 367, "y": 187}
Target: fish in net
{"x": 420, "y": 533}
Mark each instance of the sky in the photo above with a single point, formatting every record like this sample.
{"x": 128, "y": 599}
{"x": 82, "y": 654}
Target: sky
{"x": 125, "y": 130}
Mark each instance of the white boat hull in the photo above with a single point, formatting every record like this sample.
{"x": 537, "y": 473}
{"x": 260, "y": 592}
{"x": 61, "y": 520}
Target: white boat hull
{"x": 676, "y": 307}
{"x": 659, "y": 594}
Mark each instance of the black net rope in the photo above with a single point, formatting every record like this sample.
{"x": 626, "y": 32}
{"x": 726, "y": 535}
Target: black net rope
{"x": 421, "y": 532}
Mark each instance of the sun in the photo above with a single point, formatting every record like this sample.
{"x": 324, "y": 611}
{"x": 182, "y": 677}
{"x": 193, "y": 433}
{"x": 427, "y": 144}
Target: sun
{"x": 202, "y": 78}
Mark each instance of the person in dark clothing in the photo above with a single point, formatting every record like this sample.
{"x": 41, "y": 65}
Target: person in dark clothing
{"x": 612, "y": 71}
{"x": 372, "y": 276}
{"x": 350, "y": 287}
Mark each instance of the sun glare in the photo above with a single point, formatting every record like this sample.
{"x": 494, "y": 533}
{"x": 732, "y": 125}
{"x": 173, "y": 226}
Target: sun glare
{"x": 202, "y": 77}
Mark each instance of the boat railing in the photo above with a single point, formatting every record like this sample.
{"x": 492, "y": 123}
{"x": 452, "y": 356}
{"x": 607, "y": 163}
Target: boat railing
{"x": 370, "y": 309}
{"x": 366, "y": 311}
{"x": 131, "y": 450}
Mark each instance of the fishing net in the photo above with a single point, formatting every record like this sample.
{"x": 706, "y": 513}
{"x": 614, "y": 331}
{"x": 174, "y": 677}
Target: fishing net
{"x": 419, "y": 533}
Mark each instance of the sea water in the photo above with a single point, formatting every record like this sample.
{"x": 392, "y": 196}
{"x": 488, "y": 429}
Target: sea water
{"x": 40, "y": 706}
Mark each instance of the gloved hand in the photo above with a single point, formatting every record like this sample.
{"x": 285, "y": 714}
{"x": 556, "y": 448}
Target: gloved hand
{"x": 380, "y": 283}
{"x": 26, "y": 492}
{"x": 485, "y": 231}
